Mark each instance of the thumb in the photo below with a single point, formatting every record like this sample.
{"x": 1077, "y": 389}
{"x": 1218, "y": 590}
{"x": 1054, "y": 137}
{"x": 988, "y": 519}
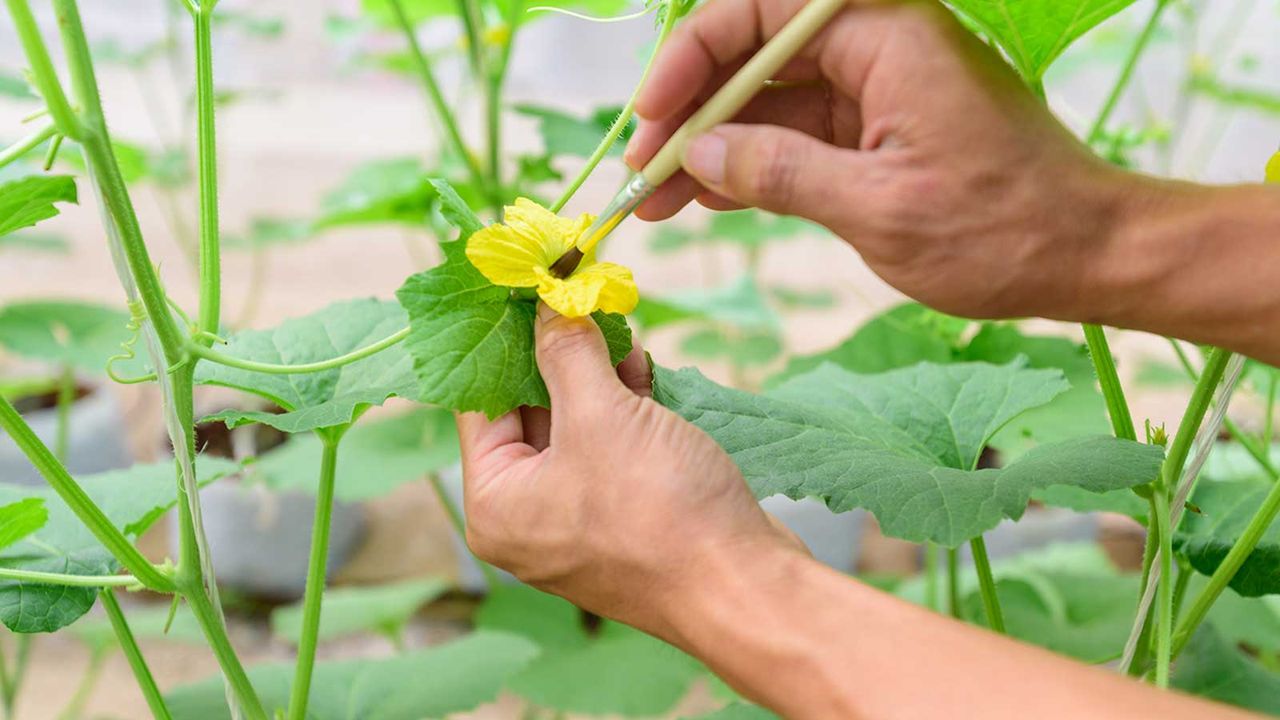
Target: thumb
{"x": 776, "y": 169}
{"x": 573, "y": 359}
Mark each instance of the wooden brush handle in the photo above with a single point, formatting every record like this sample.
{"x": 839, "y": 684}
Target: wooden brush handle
{"x": 735, "y": 94}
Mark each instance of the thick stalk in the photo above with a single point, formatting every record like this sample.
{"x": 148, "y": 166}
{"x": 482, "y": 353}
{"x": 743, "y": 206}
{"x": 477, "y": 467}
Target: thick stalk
{"x": 987, "y": 584}
{"x": 314, "y": 594}
{"x": 620, "y": 122}
{"x": 953, "y": 582}
{"x": 1257, "y": 450}
{"x": 1240, "y": 551}
{"x": 1104, "y": 366}
{"x": 132, "y": 653}
{"x": 66, "y": 398}
{"x": 1164, "y": 588}
{"x": 436, "y": 96}
{"x": 1126, "y": 72}
{"x": 206, "y": 143}
{"x": 43, "y": 75}
{"x": 27, "y": 144}
{"x": 215, "y": 632}
{"x": 80, "y": 503}
{"x": 459, "y": 523}
{"x": 471, "y": 22}
{"x": 211, "y": 355}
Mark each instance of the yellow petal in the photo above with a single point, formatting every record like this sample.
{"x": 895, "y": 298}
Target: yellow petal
{"x": 618, "y": 292}
{"x": 575, "y": 296}
{"x": 1273, "y": 169}
{"x": 554, "y": 233}
{"x": 505, "y": 256}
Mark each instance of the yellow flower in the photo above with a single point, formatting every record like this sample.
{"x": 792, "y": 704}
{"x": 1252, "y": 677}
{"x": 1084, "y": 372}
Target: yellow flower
{"x": 520, "y": 252}
{"x": 1273, "y": 169}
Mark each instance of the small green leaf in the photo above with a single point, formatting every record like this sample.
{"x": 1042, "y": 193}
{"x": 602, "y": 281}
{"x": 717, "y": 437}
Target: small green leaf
{"x": 324, "y": 399}
{"x": 1035, "y": 32}
{"x": 134, "y": 160}
{"x": 1215, "y": 669}
{"x": 1226, "y": 507}
{"x": 13, "y": 85}
{"x": 250, "y": 24}
{"x": 347, "y": 611}
{"x": 27, "y": 201}
{"x": 472, "y": 342}
{"x": 902, "y": 444}
{"x": 132, "y": 499}
{"x": 397, "y": 190}
{"x": 803, "y": 299}
{"x": 740, "y": 349}
{"x": 403, "y": 449}
{"x": 565, "y": 134}
{"x": 58, "y": 332}
{"x": 20, "y": 519}
{"x": 739, "y": 304}
{"x": 35, "y": 242}
{"x": 748, "y": 228}
{"x": 428, "y": 683}
{"x": 455, "y": 210}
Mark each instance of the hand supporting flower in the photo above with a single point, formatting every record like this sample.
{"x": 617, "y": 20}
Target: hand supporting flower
{"x": 520, "y": 251}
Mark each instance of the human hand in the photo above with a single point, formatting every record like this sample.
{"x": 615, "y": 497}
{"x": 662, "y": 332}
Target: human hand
{"x": 905, "y": 135}
{"x": 609, "y": 499}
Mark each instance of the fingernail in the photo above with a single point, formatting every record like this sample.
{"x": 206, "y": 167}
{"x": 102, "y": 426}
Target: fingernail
{"x": 545, "y": 313}
{"x": 704, "y": 156}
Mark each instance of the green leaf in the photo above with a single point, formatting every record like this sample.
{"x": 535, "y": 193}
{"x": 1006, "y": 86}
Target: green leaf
{"x": 135, "y": 161}
{"x": 565, "y": 134}
{"x": 250, "y": 24}
{"x": 739, "y": 304}
{"x": 740, "y": 349}
{"x": 383, "y": 609}
{"x": 618, "y": 671}
{"x": 20, "y": 519}
{"x": 1206, "y": 537}
{"x": 429, "y": 683}
{"x": 902, "y": 444}
{"x": 751, "y": 229}
{"x": 1249, "y": 98}
{"x": 396, "y": 190}
{"x": 403, "y": 449}
{"x": 1123, "y": 502}
{"x": 1213, "y": 668}
{"x": 901, "y": 336}
{"x": 132, "y": 499}
{"x": 1033, "y": 33}
{"x": 455, "y": 210}
{"x": 472, "y": 342}
{"x": 35, "y": 242}
{"x": 803, "y": 299}
{"x": 59, "y": 332}
{"x": 324, "y": 399}
{"x": 27, "y": 201}
{"x": 738, "y": 711}
{"x": 1244, "y": 621}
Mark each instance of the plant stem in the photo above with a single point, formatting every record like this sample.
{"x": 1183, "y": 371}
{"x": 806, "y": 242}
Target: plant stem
{"x": 68, "y": 580}
{"x": 1258, "y": 451}
{"x": 27, "y": 144}
{"x": 1149, "y": 549}
{"x": 987, "y": 584}
{"x": 1126, "y": 72}
{"x": 1185, "y": 571}
{"x": 206, "y": 141}
{"x": 491, "y": 577}
{"x": 21, "y": 662}
{"x": 79, "y": 502}
{"x": 43, "y": 75}
{"x": 619, "y": 123}
{"x": 211, "y": 355}
{"x": 1227, "y": 569}
{"x": 1104, "y": 366}
{"x": 215, "y": 633}
{"x": 953, "y": 582}
{"x": 438, "y": 103}
{"x": 931, "y": 576}
{"x": 314, "y": 595}
{"x": 1164, "y": 591}
{"x": 471, "y": 26}
{"x": 66, "y": 398}
{"x": 1201, "y": 398}
{"x": 132, "y": 653}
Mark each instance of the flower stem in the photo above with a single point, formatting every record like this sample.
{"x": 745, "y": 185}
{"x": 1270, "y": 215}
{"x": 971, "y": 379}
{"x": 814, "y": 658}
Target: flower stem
{"x": 1126, "y": 72}
{"x": 1164, "y": 592}
{"x": 132, "y": 653}
{"x": 79, "y": 502}
{"x": 987, "y": 584}
{"x": 1104, "y": 365}
{"x": 619, "y": 123}
{"x": 27, "y": 144}
{"x": 44, "y": 77}
{"x": 314, "y": 595}
{"x": 206, "y": 141}
{"x": 211, "y": 355}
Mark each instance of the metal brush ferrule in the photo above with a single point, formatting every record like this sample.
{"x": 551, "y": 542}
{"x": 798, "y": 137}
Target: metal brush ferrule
{"x": 636, "y": 191}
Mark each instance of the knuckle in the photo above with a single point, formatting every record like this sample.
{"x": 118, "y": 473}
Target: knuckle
{"x": 777, "y": 166}
{"x": 564, "y": 336}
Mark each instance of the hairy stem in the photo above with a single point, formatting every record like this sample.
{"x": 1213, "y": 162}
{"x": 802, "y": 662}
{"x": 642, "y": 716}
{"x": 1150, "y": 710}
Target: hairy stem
{"x": 206, "y": 142}
{"x": 931, "y": 576}
{"x": 987, "y": 584}
{"x": 314, "y": 594}
{"x": 132, "y": 653}
{"x": 67, "y": 580}
{"x": 1136, "y": 52}
{"x": 619, "y": 123}
{"x": 1164, "y": 591}
{"x": 211, "y": 355}
{"x": 27, "y": 144}
{"x": 471, "y": 23}
{"x": 953, "y": 582}
{"x": 1104, "y": 365}
{"x": 215, "y": 632}
{"x": 43, "y": 75}
{"x": 491, "y": 577}
{"x": 80, "y": 502}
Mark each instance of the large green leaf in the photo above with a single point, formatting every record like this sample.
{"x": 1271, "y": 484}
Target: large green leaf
{"x": 397, "y": 190}
{"x": 616, "y": 671}
{"x": 403, "y": 449}
{"x": 347, "y": 611}
{"x": 472, "y": 342}
{"x": 26, "y": 201}
{"x": 902, "y": 444}
{"x": 323, "y": 399}
{"x": 1214, "y": 668}
{"x": 61, "y": 332}
{"x": 565, "y": 134}
{"x": 1035, "y": 32}
{"x": 1206, "y": 537}
{"x": 21, "y": 518}
{"x": 429, "y": 683}
{"x": 133, "y": 499}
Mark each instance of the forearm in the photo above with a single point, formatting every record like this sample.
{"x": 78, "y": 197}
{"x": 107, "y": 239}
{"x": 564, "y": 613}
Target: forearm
{"x": 1194, "y": 262}
{"x": 808, "y": 642}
